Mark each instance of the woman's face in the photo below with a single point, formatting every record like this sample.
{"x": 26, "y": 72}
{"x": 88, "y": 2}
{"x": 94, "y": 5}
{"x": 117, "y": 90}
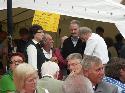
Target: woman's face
{"x": 15, "y": 60}
{"x": 30, "y": 82}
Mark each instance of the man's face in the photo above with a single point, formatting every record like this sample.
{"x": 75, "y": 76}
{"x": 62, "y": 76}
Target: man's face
{"x": 39, "y": 36}
{"x": 74, "y": 30}
{"x": 95, "y": 73}
{"x": 84, "y": 37}
{"x": 74, "y": 65}
{"x": 50, "y": 41}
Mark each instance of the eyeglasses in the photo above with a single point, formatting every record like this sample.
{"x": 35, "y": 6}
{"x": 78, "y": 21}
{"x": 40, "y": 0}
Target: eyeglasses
{"x": 16, "y": 62}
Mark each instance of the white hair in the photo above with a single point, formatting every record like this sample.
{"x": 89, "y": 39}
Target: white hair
{"x": 49, "y": 68}
{"x": 78, "y": 84}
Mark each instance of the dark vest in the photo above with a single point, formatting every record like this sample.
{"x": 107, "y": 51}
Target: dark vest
{"x": 40, "y": 56}
{"x": 68, "y": 47}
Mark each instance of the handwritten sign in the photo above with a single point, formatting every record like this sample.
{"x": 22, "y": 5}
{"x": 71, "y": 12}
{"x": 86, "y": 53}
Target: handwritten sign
{"x": 49, "y": 21}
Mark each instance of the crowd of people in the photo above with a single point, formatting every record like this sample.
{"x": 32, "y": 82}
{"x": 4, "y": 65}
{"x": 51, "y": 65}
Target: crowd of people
{"x": 83, "y": 63}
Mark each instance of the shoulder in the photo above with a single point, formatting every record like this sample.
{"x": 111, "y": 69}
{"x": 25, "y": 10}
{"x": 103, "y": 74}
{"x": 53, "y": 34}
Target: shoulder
{"x": 67, "y": 40}
{"x": 31, "y": 47}
{"x": 6, "y": 83}
{"x": 6, "y": 77}
{"x": 41, "y": 90}
{"x": 50, "y": 81}
{"x": 108, "y": 87}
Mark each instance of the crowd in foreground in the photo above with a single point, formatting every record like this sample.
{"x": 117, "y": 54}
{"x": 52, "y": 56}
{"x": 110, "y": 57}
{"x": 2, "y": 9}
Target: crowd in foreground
{"x": 82, "y": 64}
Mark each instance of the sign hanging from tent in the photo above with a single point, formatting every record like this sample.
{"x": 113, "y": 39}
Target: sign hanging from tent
{"x": 49, "y": 21}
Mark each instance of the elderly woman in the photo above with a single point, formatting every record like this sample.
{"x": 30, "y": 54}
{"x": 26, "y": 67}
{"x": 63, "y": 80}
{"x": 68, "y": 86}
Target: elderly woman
{"x": 25, "y": 79}
{"x": 6, "y": 81}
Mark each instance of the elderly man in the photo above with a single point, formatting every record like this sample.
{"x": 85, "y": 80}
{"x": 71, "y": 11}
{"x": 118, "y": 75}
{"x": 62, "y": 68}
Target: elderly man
{"x": 50, "y": 72}
{"x": 93, "y": 69}
{"x": 95, "y": 45}
{"x": 77, "y": 84}
{"x": 74, "y": 65}
{"x": 47, "y": 46}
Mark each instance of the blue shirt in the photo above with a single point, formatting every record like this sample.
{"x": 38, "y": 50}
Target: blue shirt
{"x": 119, "y": 84}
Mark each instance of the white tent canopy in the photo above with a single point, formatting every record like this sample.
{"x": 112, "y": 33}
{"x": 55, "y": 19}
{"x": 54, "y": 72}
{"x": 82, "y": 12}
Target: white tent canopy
{"x": 101, "y": 10}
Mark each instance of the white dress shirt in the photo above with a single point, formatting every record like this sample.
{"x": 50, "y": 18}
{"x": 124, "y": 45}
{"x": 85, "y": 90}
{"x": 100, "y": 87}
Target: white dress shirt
{"x": 32, "y": 54}
{"x": 48, "y": 55}
{"x": 96, "y": 46}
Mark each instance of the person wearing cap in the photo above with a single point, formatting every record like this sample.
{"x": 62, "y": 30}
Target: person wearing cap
{"x": 34, "y": 53}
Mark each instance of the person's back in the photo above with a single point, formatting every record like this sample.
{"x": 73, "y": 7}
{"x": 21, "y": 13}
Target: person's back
{"x": 96, "y": 46}
{"x": 23, "y": 40}
{"x": 51, "y": 84}
{"x": 76, "y": 83}
{"x": 50, "y": 71}
{"x": 100, "y": 48}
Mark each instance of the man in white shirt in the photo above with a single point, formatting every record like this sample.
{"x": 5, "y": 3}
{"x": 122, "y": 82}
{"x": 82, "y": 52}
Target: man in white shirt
{"x": 95, "y": 45}
{"x": 34, "y": 52}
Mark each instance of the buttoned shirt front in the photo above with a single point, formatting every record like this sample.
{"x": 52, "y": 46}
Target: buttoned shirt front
{"x": 32, "y": 54}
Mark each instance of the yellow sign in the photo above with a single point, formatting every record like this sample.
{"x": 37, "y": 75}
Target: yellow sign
{"x": 49, "y": 21}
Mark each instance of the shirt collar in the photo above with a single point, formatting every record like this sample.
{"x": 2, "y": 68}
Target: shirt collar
{"x": 44, "y": 51}
{"x": 35, "y": 41}
{"x": 47, "y": 75}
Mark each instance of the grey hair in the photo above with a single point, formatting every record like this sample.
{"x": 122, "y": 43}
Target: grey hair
{"x": 84, "y": 30}
{"x": 88, "y": 60}
{"x": 77, "y": 84}
{"x": 46, "y": 35}
{"x": 75, "y": 22}
{"x": 75, "y": 56}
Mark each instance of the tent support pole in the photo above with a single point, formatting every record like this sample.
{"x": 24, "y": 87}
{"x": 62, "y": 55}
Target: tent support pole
{"x": 9, "y": 25}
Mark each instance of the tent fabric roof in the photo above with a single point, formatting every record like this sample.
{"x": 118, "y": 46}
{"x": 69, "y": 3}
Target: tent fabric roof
{"x": 101, "y": 10}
